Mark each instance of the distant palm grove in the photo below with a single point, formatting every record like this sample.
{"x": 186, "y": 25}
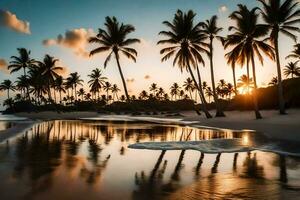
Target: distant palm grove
{"x": 253, "y": 37}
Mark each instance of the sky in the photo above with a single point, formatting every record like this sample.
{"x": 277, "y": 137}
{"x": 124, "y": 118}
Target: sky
{"x": 60, "y": 28}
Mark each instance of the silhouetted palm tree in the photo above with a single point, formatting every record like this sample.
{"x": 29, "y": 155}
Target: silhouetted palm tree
{"x": 7, "y": 85}
{"x": 23, "y": 61}
{"x": 280, "y": 16}
{"x": 231, "y": 57}
{"x": 153, "y": 88}
{"x": 96, "y": 81}
{"x": 186, "y": 43}
{"x": 22, "y": 84}
{"x": 59, "y": 86}
{"x": 107, "y": 88}
{"x": 291, "y": 69}
{"x": 75, "y": 80}
{"x": 143, "y": 95}
{"x": 175, "y": 89}
{"x": 114, "y": 39}
{"x": 245, "y": 83}
{"x": 211, "y": 31}
{"x": 160, "y": 93}
{"x": 115, "y": 89}
{"x": 188, "y": 86}
{"x": 209, "y": 93}
{"x": 295, "y": 53}
{"x": 50, "y": 71}
{"x": 81, "y": 93}
{"x": 273, "y": 81}
{"x": 246, "y": 43}
{"x": 38, "y": 84}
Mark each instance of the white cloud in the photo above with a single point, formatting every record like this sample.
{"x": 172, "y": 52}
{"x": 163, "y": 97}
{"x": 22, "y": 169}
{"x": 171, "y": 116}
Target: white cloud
{"x": 130, "y": 80}
{"x": 223, "y": 9}
{"x": 147, "y": 77}
{"x": 76, "y": 39}
{"x": 11, "y": 21}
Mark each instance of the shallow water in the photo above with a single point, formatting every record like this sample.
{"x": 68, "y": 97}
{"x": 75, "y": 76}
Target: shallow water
{"x": 91, "y": 160}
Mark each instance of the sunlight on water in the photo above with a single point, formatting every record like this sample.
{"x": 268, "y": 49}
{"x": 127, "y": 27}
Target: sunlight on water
{"x": 91, "y": 160}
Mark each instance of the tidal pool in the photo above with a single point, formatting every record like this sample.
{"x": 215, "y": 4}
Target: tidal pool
{"x": 91, "y": 160}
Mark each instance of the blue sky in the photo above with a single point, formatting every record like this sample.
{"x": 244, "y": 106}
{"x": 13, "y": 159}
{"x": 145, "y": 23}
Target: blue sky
{"x": 48, "y": 19}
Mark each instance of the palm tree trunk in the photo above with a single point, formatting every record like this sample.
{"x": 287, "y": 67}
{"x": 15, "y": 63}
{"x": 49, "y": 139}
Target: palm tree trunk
{"x": 7, "y": 93}
{"x": 219, "y": 112}
{"x": 279, "y": 85}
{"x": 121, "y": 74}
{"x": 204, "y": 108}
{"x": 256, "y": 109}
{"x": 54, "y": 92}
{"x": 75, "y": 93}
{"x": 234, "y": 79}
{"x": 60, "y": 96}
{"x": 27, "y": 89}
{"x": 248, "y": 76}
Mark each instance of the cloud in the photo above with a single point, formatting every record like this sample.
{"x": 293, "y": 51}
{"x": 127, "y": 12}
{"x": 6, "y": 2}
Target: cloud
{"x": 3, "y": 66}
{"x": 223, "y": 9}
{"x": 147, "y": 77}
{"x": 130, "y": 80}
{"x": 76, "y": 39}
{"x": 11, "y": 21}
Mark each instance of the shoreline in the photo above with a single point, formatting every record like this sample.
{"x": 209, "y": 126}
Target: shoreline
{"x": 273, "y": 125}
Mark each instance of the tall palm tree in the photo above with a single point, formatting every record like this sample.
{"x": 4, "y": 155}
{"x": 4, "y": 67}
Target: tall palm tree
{"x": 23, "y": 61}
{"x": 246, "y": 43}
{"x": 295, "y": 53}
{"x": 96, "y": 81}
{"x": 7, "y": 85}
{"x": 75, "y": 80}
{"x": 175, "y": 89}
{"x": 211, "y": 30}
{"x": 38, "y": 84}
{"x": 115, "y": 89}
{"x": 188, "y": 86}
{"x": 50, "y": 71}
{"x": 59, "y": 86}
{"x": 280, "y": 16}
{"x": 292, "y": 69}
{"x": 186, "y": 45}
{"x": 114, "y": 39}
{"x": 231, "y": 57}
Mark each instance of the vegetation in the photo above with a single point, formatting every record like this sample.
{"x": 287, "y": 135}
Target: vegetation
{"x": 41, "y": 86}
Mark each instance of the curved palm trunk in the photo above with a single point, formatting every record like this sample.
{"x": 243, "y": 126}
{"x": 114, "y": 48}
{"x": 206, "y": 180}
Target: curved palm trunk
{"x": 256, "y": 109}
{"x": 121, "y": 74}
{"x": 234, "y": 79}
{"x": 27, "y": 87}
{"x": 248, "y": 76}
{"x": 75, "y": 93}
{"x": 219, "y": 112}
{"x": 7, "y": 93}
{"x": 279, "y": 85}
{"x": 207, "y": 114}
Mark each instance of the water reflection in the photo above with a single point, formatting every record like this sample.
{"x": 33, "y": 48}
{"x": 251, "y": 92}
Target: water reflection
{"x": 93, "y": 160}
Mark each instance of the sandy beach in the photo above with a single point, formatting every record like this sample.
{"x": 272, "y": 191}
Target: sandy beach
{"x": 283, "y": 127}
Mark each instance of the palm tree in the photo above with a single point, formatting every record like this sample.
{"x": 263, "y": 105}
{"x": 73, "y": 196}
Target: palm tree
{"x": 209, "y": 93}
{"x": 81, "y": 93}
{"x": 115, "y": 89}
{"x": 7, "y": 85}
{"x": 175, "y": 89}
{"x": 211, "y": 30}
{"x": 188, "y": 86}
{"x": 153, "y": 88}
{"x": 59, "y": 86}
{"x": 114, "y": 39}
{"x": 280, "y": 17}
{"x": 186, "y": 43}
{"x": 231, "y": 57}
{"x": 143, "y": 95}
{"x": 22, "y": 83}
{"x": 160, "y": 93}
{"x": 96, "y": 81}
{"x": 292, "y": 69}
{"x": 245, "y": 83}
{"x": 273, "y": 81}
{"x": 246, "y": 43}
{"x": 38, "y": 84}
{"x": 75, "y": 80}
{"x": 107, "y": 88}
{"x": 49, "y": 71}
{"x": 295, "y": 53}
{"x": 181, "y": 94}
{"x": 23, "y": 61}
